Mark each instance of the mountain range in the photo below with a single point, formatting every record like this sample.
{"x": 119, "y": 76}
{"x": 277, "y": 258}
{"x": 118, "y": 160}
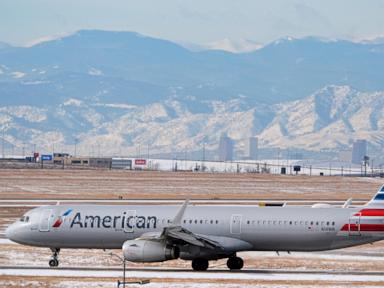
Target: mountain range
{"x": 121, "y": 91}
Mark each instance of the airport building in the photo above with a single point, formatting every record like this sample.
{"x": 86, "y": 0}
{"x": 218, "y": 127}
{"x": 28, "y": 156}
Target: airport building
{"x": 359, "y": 150}
{"x": 66, "y": 160}
{"x": 121, "y": 163}
{"x": 225, "y": 148}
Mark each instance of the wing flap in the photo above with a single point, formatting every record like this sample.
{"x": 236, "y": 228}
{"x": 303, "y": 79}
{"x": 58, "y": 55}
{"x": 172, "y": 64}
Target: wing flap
{"x": 187, "y": 236}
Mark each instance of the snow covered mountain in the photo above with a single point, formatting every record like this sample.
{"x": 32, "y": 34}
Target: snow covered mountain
{"x": 234, "y": 46}
{"x": 331, "y": 118}
{"x": 120, "y": 92}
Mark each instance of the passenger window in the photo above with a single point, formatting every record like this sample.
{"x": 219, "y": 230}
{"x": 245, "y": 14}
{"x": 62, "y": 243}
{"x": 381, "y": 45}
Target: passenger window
{"x": 327, "y": 223}
{"x": 290, "y": 222}
{"x": 301, "y": 222}
{"x": 201, "y": 221}
{"x": 311, "y": 222}
{"x": 333, "y": 223}
{"x": 195, "y": 221}
{"x": 295, "y": 222}
{"x": 317, "y": 223}
{"x": 190, "y": 221}
{"x": 217, "y": 221}
{"x": 211, "y": 221}
{"x": 248, "y": 222}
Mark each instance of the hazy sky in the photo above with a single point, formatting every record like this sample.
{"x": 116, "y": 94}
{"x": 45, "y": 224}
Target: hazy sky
{"x": 197, "y": 21}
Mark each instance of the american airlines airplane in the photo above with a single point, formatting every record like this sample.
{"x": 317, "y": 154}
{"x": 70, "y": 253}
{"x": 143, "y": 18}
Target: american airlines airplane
{"x": 154, "y": 233}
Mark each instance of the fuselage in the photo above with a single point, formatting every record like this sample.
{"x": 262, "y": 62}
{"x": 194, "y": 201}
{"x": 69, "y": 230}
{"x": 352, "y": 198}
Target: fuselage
{"x": 289, "y": 228}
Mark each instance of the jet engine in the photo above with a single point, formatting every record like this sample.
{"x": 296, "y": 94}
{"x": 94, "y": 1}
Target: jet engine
{"x": 149, "y": 251}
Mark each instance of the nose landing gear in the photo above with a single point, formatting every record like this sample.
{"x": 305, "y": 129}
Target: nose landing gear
{"x": 54, "y": 262}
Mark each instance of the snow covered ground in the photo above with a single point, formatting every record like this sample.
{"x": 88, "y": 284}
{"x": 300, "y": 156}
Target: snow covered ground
{"x": 210, "y": 275}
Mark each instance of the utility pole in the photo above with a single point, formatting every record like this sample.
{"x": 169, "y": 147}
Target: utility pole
{"x": 2, "y": 145}
{"x": 203, "y": 164}
{"x": 76, "y": 140}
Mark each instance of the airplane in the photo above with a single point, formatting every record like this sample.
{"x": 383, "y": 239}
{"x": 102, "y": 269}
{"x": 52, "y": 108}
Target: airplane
{"x": 200, "y": 233}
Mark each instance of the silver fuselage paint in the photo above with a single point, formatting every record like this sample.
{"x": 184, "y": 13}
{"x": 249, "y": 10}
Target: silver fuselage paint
{"x": 264, "y": 228}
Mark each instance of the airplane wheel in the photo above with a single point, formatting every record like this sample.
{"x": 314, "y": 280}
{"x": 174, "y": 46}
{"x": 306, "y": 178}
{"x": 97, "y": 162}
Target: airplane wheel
{"x": 53, "y": 263}
{"x": 200, "y": 264}
{"x": 235, "y": 263}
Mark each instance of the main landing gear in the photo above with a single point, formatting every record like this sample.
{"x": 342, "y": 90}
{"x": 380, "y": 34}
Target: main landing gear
{"x": 200, "y": 264}
{"x": 54, "y": 262}
{"x": 235, "y": 263}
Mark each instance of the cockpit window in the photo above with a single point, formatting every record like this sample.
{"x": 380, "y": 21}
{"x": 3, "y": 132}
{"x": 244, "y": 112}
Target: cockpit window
{"x": 24, "y": 219}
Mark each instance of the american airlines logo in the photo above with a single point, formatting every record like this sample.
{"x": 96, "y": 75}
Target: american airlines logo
{"x": 60, "y": 220}
{"x": 116, "y": 222}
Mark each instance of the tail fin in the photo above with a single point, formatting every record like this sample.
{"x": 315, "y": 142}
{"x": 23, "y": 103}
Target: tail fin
{"x": 378, "y": 199}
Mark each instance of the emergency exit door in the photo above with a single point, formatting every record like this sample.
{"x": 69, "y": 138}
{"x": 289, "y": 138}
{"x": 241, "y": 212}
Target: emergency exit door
{"x": 235, "y": 226}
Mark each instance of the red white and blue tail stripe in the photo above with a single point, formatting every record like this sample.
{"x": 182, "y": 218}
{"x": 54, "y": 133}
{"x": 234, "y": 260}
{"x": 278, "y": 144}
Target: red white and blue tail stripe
{"x": 378, "y": 199}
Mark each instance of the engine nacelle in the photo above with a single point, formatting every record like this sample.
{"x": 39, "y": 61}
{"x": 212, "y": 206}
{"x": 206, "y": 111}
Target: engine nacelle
{"x": 149, "y": 251}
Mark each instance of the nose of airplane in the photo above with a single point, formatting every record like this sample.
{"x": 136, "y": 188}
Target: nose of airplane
{"x": 9, "y": 232}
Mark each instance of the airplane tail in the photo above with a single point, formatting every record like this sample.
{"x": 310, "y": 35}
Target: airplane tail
{"x": 378, "y": 199}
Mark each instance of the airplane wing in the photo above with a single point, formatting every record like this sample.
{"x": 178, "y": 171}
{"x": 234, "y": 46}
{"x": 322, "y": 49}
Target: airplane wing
{"x": 175, "y": 233}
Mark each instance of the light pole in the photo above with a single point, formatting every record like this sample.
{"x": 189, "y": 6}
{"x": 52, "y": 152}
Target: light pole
{"x": 122, "y": 260}
{"x": 76, "y": 141}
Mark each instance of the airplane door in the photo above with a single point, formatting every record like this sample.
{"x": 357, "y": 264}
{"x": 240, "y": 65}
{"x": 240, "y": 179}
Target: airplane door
{"x": 130, "y": 221}
{"x": 354, "y": 225}
{"x": 45, "y": 218}
{"x": 235, "y": 225}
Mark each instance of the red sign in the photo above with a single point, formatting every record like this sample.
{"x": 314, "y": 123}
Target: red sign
{"x": 140, "y": 162}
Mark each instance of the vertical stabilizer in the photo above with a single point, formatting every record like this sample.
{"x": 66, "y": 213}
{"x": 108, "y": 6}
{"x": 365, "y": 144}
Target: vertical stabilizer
{"x": 378, "y": 199}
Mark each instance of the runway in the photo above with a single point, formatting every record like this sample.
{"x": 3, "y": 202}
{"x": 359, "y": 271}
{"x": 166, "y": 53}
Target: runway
{"x": 172, "y": 273}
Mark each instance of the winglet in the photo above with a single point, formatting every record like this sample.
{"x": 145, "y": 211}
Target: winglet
{"x": 179, "y": 216}
{"x": 347, "y": 203}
